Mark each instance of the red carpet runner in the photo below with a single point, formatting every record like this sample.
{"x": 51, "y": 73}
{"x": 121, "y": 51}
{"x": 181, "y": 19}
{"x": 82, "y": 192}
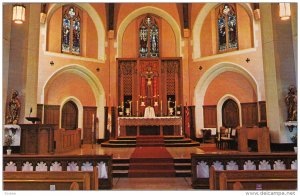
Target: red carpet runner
{"x": 151, "y": 159}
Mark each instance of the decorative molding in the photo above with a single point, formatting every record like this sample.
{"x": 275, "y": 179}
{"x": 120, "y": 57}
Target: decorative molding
{"x": 69, "y": 56}
{"x": 226, "y": 54}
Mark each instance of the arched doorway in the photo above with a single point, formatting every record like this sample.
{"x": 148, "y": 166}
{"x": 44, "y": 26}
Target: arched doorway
{"x": 230, "y": 114}
{"x": 69, "y": 119}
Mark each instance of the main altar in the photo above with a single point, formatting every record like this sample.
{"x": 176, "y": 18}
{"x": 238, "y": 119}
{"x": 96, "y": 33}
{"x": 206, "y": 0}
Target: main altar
{"x": 142, "y": 123}
{"x": 149, "y": 97}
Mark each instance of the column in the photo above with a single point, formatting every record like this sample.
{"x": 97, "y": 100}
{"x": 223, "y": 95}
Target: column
{"x": 7, "y": 20}
{"x": 185, "y": 69}
{"x": 23, "y": 60}
{"x": 279, "y": 68}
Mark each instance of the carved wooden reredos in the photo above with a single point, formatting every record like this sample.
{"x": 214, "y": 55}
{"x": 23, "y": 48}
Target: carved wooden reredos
{"x": 154, "y": 82}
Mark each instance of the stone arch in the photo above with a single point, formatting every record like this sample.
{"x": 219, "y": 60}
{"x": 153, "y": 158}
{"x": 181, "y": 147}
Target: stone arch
{"x": 200, "y": 20}
{"x": 95, "y": 18}
{"x": 153, "y": 10}
{"x": 207, "y": 78}
{"x": 94, "y": 83}
{"x": 220, "y": 105}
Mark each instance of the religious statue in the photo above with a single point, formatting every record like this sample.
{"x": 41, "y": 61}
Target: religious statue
{"x": 14, "y": 106}
{"x": 291, "y": 102}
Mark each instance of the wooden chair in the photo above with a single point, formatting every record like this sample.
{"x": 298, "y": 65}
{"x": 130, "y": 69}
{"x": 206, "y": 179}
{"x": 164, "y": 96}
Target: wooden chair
{"x": 226, "y": 138}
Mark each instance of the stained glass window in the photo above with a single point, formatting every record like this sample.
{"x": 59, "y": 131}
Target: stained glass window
{"x": 227, "y": 27}
{"x": 71, "y": 27}
{"x": 149, "y": 37}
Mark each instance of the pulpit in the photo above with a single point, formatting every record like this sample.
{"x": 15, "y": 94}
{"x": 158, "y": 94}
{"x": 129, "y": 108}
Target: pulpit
{"x": 37, "y": 138}
{"x": 261, "y": 135}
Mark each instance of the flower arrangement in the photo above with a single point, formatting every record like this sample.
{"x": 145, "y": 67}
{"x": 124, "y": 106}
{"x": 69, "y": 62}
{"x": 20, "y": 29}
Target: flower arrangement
{"x": 9, "y": 139}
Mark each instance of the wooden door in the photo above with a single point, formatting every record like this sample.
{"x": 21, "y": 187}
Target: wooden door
{"x": 88, "y": 136}
{"x": 230, "y": 114}
{"x": 69, "y": 118}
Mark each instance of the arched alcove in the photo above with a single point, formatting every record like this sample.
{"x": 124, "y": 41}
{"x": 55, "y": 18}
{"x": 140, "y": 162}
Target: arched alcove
{"x": 151, "y": 10}
{"x": 199, "y": 23}
{"x": 207, "y": 78}
{"x": 93, "y": 82}
{"x": 94, "y": 17}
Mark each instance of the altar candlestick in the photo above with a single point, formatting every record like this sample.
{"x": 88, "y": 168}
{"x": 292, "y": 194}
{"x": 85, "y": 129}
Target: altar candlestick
{"x": 130, "y": 107}
{"x": 161, "y": 108}
{"x": 175, "y": 108}
{"x": 93, "y": 122}
{"x": 137, "y": 108}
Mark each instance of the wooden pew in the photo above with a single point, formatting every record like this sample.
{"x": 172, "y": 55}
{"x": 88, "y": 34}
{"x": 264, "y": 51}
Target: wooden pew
{"x": 63, "y": 160}
{"x": 201, "y": 164}
{"x": 259, "y": 179}
{"x": 63, "y": 180}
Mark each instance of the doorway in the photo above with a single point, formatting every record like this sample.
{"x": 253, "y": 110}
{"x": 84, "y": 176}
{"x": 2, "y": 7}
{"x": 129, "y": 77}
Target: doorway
{"x": 69, "y": 119}
{"x": 230, "y": 114}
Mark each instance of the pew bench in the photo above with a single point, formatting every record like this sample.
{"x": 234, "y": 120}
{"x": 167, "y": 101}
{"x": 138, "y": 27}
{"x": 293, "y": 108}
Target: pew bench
{"x": 67, "y": 163}
{"x": 201, "y": 164}
{"x": 60, "y": 180}
{"x": 253, "y": 180}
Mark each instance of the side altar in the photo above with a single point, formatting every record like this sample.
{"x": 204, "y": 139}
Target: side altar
{"x": 146, "y": 126}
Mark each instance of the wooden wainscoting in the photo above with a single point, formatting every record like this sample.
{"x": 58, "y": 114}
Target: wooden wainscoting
{"x": 210, "y": 115}
{"x": 249, "y": 114}
{"x": 87, "y": 124}
{"x": 51, "y": 114}
{"x": 67, "y": 139}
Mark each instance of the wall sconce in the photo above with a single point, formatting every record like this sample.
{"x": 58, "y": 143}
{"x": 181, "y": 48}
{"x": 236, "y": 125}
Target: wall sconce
{"x": 43, "y": 14}
{"x": 18, "y": 14}
{"x": 284, "y": 11}
{"x": 256, "y": 11}
{"x": 51, "y": 63}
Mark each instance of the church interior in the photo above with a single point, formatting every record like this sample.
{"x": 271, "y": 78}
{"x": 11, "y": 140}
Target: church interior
{"x": 149, "y": 96}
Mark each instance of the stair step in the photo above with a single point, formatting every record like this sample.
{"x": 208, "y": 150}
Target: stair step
{"x": 151, "y": 166}
{"x": 151, "y": 173}
{"x": 151, "y": 160}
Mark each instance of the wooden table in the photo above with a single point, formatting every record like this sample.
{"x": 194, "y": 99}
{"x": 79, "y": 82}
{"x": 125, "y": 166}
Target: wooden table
{"x": 142, "y": 121}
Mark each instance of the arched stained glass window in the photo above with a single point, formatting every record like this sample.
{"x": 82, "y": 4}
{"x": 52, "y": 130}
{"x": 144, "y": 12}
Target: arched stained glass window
{"x": 71, "y": 27}
{"x": 149, "y": 37}
{"x": 227, "y": 27}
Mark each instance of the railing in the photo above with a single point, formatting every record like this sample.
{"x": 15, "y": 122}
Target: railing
{"x": 239, "y": 161}
{"x": 63, "y": 163}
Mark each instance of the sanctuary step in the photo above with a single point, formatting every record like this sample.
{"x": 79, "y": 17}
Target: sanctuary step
{"x": 182, "y": 167}
{"x": 170, "y": 141}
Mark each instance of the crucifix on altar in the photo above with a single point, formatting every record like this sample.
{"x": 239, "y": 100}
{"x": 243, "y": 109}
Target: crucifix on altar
{"x": 149, "y": 87}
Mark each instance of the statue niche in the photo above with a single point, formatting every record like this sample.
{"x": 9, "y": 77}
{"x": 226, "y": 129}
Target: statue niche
{"x": 291, "y": 102}
{"x": 14, "y": 106}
